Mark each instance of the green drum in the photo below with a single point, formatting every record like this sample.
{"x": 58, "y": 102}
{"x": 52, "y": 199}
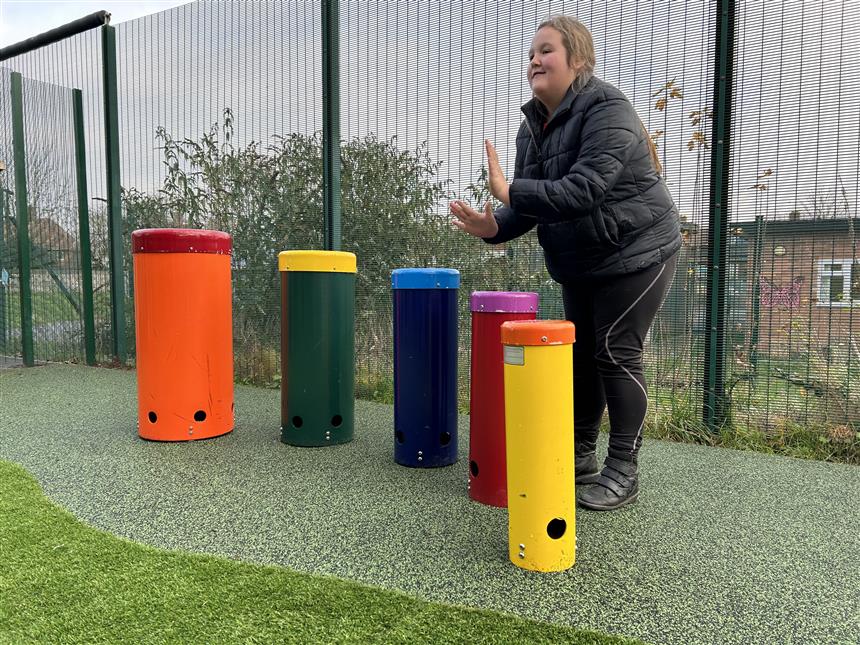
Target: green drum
{"x": 317, "y": 347}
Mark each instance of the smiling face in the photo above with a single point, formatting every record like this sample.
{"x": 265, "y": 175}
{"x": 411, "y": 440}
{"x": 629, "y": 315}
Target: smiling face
{"x": 550, "y": 73}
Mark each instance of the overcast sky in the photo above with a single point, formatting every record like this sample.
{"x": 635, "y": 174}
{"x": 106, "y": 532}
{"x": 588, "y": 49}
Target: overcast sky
{"x": 21, "y": 19}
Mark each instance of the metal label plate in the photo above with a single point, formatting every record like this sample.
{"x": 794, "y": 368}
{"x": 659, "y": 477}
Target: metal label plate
{"x": 514, "y": 355}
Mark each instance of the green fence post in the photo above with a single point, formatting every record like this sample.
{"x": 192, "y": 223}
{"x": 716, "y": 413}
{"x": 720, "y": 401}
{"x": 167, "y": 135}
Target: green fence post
{"x": 2, "y": 268}
{"x": 19, "y": 156}
{"x": 714, "y": 412}
{"x": 117, "y": 284}
{"x": 84, "y": 229}
{"x": 331, "y": 125}
{"x": 756, "y": 292}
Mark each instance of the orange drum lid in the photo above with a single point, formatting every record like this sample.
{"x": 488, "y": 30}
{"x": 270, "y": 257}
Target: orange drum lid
{"x": 538, "y": 332}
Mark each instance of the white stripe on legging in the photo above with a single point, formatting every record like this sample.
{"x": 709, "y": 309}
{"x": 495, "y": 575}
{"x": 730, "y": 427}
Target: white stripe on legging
{"x": 612, "y": 358}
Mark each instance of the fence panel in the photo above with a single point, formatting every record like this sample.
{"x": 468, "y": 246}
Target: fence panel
{"x": 50, "y": 74}
{"x": 794, "y": 268}
{"x": 220, "y": 109}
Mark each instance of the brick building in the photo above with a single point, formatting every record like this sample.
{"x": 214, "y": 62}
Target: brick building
{"x": 790, "y": 285}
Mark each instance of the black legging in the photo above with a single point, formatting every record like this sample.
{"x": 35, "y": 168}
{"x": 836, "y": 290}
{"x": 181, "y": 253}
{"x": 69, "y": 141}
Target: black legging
{"x": 612, "y": 317}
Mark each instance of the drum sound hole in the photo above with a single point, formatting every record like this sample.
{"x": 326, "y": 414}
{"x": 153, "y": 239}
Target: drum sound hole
{"x": 556, "y": 528}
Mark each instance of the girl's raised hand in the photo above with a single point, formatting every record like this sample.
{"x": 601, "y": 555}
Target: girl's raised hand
{"x": 498, "y": 184}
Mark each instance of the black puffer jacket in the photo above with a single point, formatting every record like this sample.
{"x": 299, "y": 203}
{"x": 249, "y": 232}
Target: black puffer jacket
{"x": 587, "y": 181}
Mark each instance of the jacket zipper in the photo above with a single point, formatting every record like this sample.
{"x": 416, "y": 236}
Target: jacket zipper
{"x": 534, "y": 141}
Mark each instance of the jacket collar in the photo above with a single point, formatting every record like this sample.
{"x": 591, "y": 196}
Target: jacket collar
{"x": 537, "y": 114}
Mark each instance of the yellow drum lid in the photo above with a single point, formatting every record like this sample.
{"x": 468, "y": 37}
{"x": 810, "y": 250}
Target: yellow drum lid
{"x": 318, "y": 261}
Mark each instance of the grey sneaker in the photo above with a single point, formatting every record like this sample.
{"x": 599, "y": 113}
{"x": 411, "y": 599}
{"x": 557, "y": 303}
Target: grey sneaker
{"x": 585, "y": 469}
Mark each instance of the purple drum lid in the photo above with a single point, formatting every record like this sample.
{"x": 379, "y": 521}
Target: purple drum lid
{"x": 507, "y": 302}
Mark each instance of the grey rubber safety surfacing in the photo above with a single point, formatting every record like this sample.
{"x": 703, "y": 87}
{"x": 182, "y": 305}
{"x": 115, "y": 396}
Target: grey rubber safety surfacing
{"x": 722, "y": 546}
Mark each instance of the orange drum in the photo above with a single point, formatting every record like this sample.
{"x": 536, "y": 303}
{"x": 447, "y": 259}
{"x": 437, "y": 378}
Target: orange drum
{"x": 184, "y": 331}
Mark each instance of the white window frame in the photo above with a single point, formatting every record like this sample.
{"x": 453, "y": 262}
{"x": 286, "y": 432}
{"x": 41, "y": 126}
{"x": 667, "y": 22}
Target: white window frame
{"x": 822, "y": 282}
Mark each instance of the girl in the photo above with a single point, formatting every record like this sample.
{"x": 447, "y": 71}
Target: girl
{"x": 587, "y": 175}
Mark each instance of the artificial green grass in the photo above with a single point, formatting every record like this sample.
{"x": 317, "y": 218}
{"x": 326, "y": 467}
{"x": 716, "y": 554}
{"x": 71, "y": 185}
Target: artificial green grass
{"x": 62, "y": 581}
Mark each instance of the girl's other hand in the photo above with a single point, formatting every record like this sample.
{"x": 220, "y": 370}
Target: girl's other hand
{"x": 477, "y": 223}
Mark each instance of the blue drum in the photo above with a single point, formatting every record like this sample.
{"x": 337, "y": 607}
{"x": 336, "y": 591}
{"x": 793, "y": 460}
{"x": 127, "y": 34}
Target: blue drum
{"x": 425, "y": 366}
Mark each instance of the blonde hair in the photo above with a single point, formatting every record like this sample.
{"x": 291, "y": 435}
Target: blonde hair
{"x": 579, "y": 46}
{"x": 652, "y": 149}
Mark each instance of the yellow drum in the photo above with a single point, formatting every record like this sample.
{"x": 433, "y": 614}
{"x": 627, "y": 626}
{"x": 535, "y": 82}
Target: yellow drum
{"x": 538, "y": 357}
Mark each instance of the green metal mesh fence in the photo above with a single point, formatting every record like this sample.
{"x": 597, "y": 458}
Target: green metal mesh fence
{"x": 57, "y": 332}
{"x": 49, "y": 77}
{"x": 220, "y": 127}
